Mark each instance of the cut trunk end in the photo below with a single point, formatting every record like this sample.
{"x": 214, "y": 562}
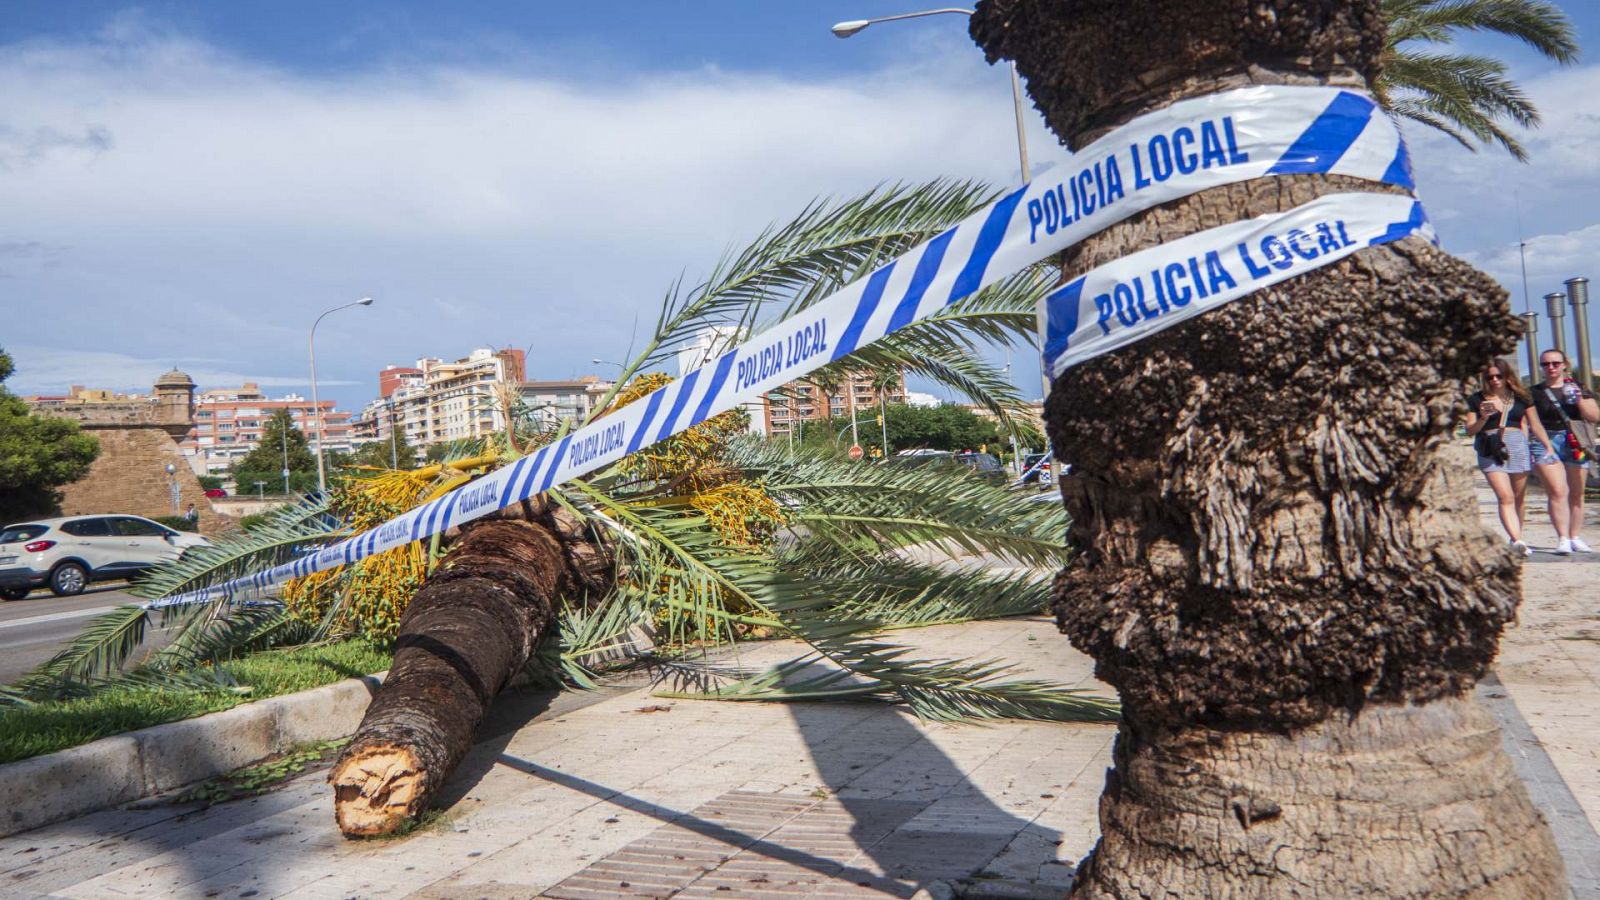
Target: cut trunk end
{"x": 1418, "y": 799}
{"x": 375, "y": 791}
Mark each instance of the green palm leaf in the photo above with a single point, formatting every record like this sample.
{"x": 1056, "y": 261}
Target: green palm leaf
{"x": 899, "y": 502}
{"x": 1470, "y": 98}
{"x": 795, "y": 264}
{"x": 288, "y": 534}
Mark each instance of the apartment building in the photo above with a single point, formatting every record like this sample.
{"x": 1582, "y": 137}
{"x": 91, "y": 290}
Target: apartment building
{"x": 437, "y": 400}
{"x": 798, "y": 401}
{"x": 552, "y": 402}
{"x": 228, "y": 423}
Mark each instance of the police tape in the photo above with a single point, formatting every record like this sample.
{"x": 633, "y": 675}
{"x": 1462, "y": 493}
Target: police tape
{"x": 1166, "y": 155}
{"x": 1138, "y": 295}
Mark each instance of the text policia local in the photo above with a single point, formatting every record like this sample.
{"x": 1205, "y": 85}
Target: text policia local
{"x": 781, "y": 354}
{"x": 1175, "y": 284}
{"x": 1098, "y": 185}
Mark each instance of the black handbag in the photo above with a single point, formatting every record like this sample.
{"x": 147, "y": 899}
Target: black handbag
{"x": 1492, "y": 444}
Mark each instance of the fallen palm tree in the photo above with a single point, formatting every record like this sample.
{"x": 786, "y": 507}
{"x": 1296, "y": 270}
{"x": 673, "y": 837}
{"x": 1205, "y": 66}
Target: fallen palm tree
{"x": 703, "y": 538}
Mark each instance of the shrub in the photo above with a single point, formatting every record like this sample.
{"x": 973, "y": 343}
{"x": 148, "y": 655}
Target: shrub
{"x": 176, "y": 523}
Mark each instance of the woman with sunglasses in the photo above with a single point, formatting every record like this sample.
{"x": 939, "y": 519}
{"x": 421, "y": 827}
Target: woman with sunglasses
{"x": 1557, "y": 400}
{"x": 1501, "y": 414}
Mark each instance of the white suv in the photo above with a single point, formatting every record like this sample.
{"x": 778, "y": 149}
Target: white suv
{"x": 66, "y": 554}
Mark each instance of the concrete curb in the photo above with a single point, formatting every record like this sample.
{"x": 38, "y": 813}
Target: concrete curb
{"x": 127, "y": 767}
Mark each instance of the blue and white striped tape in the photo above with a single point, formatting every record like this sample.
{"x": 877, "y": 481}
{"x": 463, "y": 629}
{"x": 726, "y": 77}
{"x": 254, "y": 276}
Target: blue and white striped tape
{"x": 1138, "y": 295}
{"x": 1187, "y": 147}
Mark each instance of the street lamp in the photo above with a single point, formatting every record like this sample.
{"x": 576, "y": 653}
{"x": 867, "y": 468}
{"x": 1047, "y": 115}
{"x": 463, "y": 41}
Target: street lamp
{"x": 856, "y": 26}
{"x": 311, "y": 347}
{"x": 172, "y": 486}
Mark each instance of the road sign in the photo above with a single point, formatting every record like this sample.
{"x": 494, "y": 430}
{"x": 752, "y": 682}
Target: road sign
{"x": 855, "y": 451}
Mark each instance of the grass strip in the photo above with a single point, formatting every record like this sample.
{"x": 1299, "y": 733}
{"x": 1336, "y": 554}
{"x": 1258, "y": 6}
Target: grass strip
{"x": 56, "y": 725}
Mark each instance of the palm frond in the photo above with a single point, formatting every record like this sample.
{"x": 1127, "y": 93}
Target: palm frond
{"x": 1468, "y": 97}
{"x": 898, "y": 502}
{"x": 797, "y": 263}
{"x": 99, "y": 649}
{"x": 232, "y": 630}
{"x": 938, "y": 690}
{"x": 209, "y": 680}
{"x": 899, "y": 593}
{"x": 290, "y": 533}
{"x": 1540, "y": 25}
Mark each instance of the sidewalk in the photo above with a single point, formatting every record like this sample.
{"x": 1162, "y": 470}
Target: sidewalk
{"x": 635, "y": 795}
{"x": 624, "y": 794}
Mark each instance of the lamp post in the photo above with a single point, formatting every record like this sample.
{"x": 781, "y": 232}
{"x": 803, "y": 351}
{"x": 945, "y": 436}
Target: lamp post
{"x": 172, "y": 486}
{"x": 394, "y": 454}
{"x": 855, "y": 26}
{"x": 311, "y": 349}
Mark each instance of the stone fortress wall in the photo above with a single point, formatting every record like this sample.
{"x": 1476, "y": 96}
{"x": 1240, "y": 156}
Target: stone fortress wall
{"x": 138, "y": 441}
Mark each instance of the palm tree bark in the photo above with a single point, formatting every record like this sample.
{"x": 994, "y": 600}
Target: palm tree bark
{"x": 1279, "y": 573}
{"x": 468, "y": 631}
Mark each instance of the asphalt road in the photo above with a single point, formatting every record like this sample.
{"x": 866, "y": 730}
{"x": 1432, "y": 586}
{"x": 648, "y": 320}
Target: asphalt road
{"x": 34, "y": 629}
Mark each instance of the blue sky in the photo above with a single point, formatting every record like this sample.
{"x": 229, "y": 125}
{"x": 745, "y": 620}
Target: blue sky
{"x": 191, "y": 183}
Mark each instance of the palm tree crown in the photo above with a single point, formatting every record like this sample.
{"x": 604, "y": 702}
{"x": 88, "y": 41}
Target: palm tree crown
{"x": 1466, "y": 96}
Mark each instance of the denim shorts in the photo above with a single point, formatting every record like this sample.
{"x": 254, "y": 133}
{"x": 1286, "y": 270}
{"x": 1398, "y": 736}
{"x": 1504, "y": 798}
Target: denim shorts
{"x": 1564, "y": 453}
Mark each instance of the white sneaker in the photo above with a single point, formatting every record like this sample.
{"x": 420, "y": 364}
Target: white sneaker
{"x": 1578, "y": 546}
{"x": 1522, "y": 548}
{"x": 1564, "y": 547}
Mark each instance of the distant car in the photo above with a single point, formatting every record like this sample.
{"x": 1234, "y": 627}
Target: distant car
{"x": 1038, "y": 468}
{"x": 66, "y": 554}
{"x": 216, "y": 492}
{"x": 985, "y": 464}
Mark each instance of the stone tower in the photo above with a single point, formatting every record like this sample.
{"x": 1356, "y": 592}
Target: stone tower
{"x": 138, "y": 439}
{"x": 175, "y": 403}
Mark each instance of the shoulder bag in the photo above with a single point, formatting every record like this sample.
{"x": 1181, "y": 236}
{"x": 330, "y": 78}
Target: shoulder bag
{"x": 1580, "y": 434}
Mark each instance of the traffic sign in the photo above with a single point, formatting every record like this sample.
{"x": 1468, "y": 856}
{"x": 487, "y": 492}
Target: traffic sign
{"x": 855, "y": 451}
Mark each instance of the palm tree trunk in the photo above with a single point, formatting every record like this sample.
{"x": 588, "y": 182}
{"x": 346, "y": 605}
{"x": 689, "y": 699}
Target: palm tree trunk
{"x": 1281, "y": 576}
{"x": 470, "y": 628}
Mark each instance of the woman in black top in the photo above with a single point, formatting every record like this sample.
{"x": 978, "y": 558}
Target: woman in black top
{"x": 1557, "y": 400}
{"x": 1501, "y": 414}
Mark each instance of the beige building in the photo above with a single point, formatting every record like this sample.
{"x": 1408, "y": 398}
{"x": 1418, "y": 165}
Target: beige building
{"x": 228, "y": 423}
{"x": 800, "y": 401}
{"x": 552, "y": 402}
{"x": 437, "y": 401}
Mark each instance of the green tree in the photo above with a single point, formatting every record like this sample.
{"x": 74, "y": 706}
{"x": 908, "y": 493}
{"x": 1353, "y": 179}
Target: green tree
{"x": 37, "y": 454}
{"x": 1467, "y": 96}
{"x": 280, "y": 440}
{"x": 944, "y": 427}
{"x": 381, "y": 454}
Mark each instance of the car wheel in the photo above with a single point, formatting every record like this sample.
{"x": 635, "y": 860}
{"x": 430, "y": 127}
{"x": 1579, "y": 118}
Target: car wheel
{"x": 14, "y": 593}
{"x": 68, "y": 579}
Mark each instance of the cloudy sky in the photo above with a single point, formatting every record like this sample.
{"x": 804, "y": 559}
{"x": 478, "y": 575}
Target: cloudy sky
{"x": 190, "y": 184}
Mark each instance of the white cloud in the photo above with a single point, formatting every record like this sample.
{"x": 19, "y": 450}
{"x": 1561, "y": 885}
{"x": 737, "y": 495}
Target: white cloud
{"x": 209, "y": 203}
{"x": 1551, "y": 258}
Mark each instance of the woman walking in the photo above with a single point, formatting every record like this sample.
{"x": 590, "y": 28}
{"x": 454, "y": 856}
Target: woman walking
{"x": 1558, "y": 401}
{"x": 1500, "y": 418}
